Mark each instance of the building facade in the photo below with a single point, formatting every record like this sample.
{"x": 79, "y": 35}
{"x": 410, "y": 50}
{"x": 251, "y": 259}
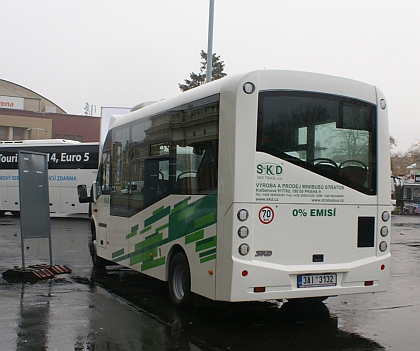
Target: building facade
{"x": 26, "y": 115}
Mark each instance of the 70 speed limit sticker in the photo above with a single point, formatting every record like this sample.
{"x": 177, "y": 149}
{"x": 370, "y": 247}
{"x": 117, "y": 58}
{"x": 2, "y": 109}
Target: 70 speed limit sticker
{"x": 266, "y": 215}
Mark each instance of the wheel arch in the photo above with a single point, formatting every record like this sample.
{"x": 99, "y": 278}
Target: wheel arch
{"x": 172, "y": 252}
{"x": 93, "y": 228}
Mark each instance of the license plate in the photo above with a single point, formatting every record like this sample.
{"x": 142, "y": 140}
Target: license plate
{"x": 316, "y": 280}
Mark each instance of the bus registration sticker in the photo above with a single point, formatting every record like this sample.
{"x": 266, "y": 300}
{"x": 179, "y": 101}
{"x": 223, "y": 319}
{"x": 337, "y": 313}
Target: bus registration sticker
{"x": 316, "y": 280}
{"x": 266, "y": 215}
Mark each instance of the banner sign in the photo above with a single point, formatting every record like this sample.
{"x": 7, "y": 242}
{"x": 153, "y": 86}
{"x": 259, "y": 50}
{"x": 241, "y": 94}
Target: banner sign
{"x": 15, "y": 103}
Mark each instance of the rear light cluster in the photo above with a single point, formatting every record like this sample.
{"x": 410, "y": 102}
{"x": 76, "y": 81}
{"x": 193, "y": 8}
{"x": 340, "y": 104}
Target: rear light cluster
{"x": 243, "y": 232}
{"x": 383, "y": 246}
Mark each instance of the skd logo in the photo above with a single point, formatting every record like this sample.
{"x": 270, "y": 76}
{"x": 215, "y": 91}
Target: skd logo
{"x": 269, "y": 169}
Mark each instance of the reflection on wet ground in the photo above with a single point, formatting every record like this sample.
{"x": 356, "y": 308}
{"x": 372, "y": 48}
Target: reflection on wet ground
{"x": 240, "y": 326}
{"x": 118, "y": 309}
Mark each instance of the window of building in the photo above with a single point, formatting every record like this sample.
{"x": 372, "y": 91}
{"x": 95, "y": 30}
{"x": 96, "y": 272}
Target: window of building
{"x": 408, "y": 194}
{"x": 3, "y": 133}
{"x": 18, "y": 133}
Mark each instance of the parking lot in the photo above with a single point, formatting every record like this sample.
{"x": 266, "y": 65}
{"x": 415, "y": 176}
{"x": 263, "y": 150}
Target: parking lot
{"x": 117, "y": 309}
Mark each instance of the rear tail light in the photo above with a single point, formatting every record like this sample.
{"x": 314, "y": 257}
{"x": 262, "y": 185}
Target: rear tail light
{"x": 259, "y": 289}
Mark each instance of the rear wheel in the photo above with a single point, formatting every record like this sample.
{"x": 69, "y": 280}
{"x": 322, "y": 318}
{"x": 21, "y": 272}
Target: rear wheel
{"x": 179, "y": 281}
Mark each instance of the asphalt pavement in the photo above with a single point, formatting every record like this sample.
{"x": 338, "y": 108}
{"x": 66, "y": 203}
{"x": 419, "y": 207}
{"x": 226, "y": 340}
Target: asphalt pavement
{"x": 118, "y": 309}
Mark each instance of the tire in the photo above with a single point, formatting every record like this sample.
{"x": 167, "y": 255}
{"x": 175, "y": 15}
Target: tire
{"x": 98, "y": 262}
{"x": 90, "y": 210}
{"x": 179, "y": 282}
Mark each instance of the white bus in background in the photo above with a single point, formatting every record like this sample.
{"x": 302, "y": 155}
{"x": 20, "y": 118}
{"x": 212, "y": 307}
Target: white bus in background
{"x": 69, "y": 163}
{"x": 267, "y": 185}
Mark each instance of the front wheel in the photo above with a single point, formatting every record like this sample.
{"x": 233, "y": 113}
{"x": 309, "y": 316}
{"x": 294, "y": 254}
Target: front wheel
{"x": 179, "y": 281}
{"x": 98, "y": 262}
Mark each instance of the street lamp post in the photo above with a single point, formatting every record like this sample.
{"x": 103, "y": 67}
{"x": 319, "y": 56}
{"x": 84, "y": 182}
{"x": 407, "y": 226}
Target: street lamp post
{"x": 210, "y": 43}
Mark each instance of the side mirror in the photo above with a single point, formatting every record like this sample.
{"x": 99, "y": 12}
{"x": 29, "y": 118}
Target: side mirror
{"x": 94, "y": 191}
{"x": 82, "y": 193}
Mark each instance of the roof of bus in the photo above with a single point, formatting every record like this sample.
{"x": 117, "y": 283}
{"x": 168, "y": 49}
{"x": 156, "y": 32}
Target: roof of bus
{"x": 181, "y": 98}
{"x": 230, "y": 81}
{"x": 43, "y": 142}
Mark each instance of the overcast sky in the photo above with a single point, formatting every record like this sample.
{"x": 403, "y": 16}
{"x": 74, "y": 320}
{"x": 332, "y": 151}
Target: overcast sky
{"x": 121, "y": 53}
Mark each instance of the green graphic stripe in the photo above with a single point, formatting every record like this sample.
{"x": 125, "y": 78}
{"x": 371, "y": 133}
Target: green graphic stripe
{"x": 145, "y": 250}
{"x": 194, "y": 237}
{"x": 145, "y": 256}
{"x": 208, "y": 258}
{"x": 186, "y": 220}
{"x": 180, "y": 205}
{"x": 205, "y": 244}
{"x": 133, "y": 232}
{"x": 189, "y": 211}
{"x": 122, "y": 258}
{"x": 117, "y": 253}
{"x": 162, "y": 227}
{"x": 153, "y": 264}
{"x": 206, "y": 253}
{"x": 152, "y": 240}
{"x": 158, "y": 210}
{"x": 128, "y": 236}
{"x": 163, "y": 212}
{"x": 182, "y": 223}
{"x": 145, "y": 229}
{"x": 204, "y": 221}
